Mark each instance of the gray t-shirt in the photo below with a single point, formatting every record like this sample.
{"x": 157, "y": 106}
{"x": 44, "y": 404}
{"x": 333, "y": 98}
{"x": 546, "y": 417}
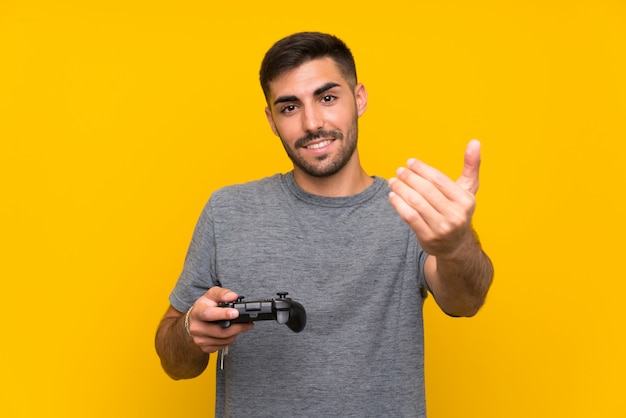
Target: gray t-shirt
{"x": 357, "y": 269}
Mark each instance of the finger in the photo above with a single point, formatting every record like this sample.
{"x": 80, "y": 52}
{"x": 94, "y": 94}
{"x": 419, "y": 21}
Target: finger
{"x": 431, "y": 174}
{"x": 213, "y": 313}
{"x": 213, "y": 337}
{"x": 430, "y": 192}
{"x": 206, "y": 307}
{"x": 408, "y": 208}
{"x": 424, "y": 188}
{"x": 469, "y": 177}
{"x": 408, "y": 191}
{"x": 447, "y": 189}
{"x": 220, "y": 294}
{"x": 216, "y": 332}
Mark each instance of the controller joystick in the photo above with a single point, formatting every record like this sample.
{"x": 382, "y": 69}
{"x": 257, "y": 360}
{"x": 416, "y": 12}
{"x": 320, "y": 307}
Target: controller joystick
{"x": 281, "y": 309}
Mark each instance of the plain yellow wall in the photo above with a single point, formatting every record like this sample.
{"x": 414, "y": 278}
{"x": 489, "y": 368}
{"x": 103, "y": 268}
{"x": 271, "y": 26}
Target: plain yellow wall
{"x": 119, "y": 118}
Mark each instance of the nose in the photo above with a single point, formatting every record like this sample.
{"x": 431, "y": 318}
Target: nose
{"x": 312, "y": 119}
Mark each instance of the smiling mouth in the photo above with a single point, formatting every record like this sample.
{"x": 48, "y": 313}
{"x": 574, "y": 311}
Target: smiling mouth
{"x": 319, "y": 145}
{"x": 317, "y": 140}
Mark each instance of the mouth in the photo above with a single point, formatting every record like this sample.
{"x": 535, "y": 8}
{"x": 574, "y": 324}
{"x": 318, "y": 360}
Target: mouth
{"x": 319, "y": 145}
{"x": 318, "y": 140}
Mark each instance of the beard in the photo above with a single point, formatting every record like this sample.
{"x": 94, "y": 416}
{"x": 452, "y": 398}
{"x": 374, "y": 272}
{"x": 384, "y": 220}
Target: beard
{"x": 324, "y": 165}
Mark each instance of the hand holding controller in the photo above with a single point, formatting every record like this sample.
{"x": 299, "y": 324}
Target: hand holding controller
{"x": 282, "y": 309}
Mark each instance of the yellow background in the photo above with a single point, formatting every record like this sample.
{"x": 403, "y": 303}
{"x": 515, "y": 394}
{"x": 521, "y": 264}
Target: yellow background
{"x": 119, "y": 118}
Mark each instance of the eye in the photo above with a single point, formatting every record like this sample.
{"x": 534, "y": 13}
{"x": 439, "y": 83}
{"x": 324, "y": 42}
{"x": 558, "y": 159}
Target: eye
{"x": 288, "y": 108}
{"x": 328, "y": 98}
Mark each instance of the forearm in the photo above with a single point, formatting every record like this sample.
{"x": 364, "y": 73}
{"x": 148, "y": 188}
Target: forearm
{"x": 180, "y": 357}
{"x": 461, "y": 280}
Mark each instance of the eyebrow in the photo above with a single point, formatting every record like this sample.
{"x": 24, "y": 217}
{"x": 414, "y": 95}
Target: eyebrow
{"x": 318, "y": 91}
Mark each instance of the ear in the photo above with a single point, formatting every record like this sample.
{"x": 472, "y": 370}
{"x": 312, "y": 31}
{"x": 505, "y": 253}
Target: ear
{"x": 360, "y": 95}
{"x": 270, "y": 119}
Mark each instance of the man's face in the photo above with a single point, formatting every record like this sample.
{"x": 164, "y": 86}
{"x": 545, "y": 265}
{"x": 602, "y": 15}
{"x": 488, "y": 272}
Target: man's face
{"x": 314, "y": 111}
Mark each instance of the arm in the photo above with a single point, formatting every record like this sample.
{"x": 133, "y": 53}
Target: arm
{"x": 439, "y": 211}
{"x": 460, "y": 283}
{"x": 184, "y": 356}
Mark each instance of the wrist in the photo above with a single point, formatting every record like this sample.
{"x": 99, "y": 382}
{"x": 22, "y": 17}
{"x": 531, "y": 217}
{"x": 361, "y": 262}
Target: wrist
{"x": 467, "y": 247}
{"x": 187, "y": 321}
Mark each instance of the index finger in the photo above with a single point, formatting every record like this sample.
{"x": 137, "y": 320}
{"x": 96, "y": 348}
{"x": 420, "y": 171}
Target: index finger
{"x": 220, "y": 294}
{"x": 427, "y": 177}
{"x": 206, "y": 307}
{"x": 212, "y": 312}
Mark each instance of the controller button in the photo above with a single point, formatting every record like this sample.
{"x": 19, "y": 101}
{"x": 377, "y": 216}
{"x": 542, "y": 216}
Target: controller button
{"x": 253, "y": 306}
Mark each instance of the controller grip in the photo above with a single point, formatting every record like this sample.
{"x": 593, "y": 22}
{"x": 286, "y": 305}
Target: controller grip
{"x": 297, "y": 317}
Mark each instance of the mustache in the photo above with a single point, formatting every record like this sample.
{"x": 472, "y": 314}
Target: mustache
{"x": 312, "y": 136}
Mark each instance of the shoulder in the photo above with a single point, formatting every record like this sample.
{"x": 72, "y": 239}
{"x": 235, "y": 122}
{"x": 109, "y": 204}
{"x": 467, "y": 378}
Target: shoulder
{"x": 250, "y": 193}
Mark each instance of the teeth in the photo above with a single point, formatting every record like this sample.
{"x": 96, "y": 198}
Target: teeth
{"x": 319, "y": 145}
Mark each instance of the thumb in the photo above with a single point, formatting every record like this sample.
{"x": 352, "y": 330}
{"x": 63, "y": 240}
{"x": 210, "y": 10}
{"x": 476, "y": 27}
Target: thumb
{"x": 469, "y": 176}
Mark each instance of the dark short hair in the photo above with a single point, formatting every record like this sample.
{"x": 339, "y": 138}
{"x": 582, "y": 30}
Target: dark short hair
{"x": 294, "y": 50}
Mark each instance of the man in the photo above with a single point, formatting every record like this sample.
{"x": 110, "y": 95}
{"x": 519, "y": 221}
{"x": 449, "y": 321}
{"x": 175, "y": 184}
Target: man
{"x": 359, "y": 253}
